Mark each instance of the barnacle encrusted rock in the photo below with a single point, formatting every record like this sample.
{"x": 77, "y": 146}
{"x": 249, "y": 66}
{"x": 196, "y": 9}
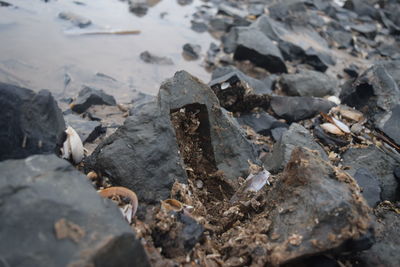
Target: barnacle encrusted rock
{"x": 314, "y": 207}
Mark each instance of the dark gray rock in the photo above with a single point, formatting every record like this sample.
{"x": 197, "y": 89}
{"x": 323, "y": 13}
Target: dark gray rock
{"x": 252, "y": 45}
{"x": 362, "y": 8}
{"x": 88, "y": 131}
{"x": 4, "y": 3}
{"x": 150, "y": 58}
{"x": 224, "y": 74}
{"x": 138, "y": 7}
{"x": 318, "y": 60}
{"x": 390, "y": 124}
{"x": 378, "y": 163}
{"x": 369, "y": 30}
{"x": 191, "y": 51}
{"x": 281, "y": 10}
{"x": 313, "y": 203}
{"x": 52, "y": 216}
{"x": 143, "y": 154}
{"x": 75, "y": 19}
{"x": 198, "y": 26}
{"x": 140, "y": 100}
{"x": 385, "y": 251}
{"x": 260, "y": 122}
{"x": 180, "y": 238}
{"x": 30, "y": 123}
{"x": 329, "y": 140}
{"x": 232, "y": 11}
{"x": 396, "y": 173}
{"x": 308, "y": 83}
{"x": 296, "y": 108}
{"x": 376, "y": 91}
{"x": 370, "y": 186}
{"x": 277, "y": 133}
{"x": 220, "y": 23}
{"x": 89, "y": 96}
{"x": 296, "y": 136}
{"x": 343, "y": 39}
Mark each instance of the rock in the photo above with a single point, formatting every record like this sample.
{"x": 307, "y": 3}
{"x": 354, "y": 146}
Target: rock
{"x": 370, "y": 186}
{"x": 329, "y": 140}
{"x": 252, "y": 45}
{"x": 198, "y": 26}
{"x": 314, "y": 208}
{"x": 138, "y": 7}
{"x": 282, "y": 10}
{"x": 140, "y": 100}
{"x": 369, "y": 30}
{"x": 231, "y": 11}
{"x": 52, "y": 216}
{"x": 385, "y": 251}
{"x": 362, "y": 8}
{"x": 298, "y": 108}
{"x": 318, "y": 60}
{"x": 390, "y": 124}
{"x": 342, "y": 38}
{"x": 4, "y": 3}
{"x": 226, "y": 74}
{"x": 147, "y": 57}
{"x": 88, "y": 131}
{"x": 378, "y": 163}
{"x": 308, "y": 83}
{"x": 260, "y": 122}
{"x": 31, "y": 123}
{"x": 75, "y": 19}
{"x": 296, "y": 136}
{"x": 88, "y": 97}
{"x": 220, "y": 23}
{"x": 181, "y": 236}
{"x": 235, "y": 91}
{"x": 376, "y": 91}
{"x": 191, "y": 51}
{"x": 278, "y": 132}
{"x": 396, "y": 173}
{"x": 143, "y": 154}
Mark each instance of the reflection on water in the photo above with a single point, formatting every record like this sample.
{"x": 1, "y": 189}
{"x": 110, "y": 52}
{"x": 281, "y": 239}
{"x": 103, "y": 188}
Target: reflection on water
{"x": 41, "y": 51}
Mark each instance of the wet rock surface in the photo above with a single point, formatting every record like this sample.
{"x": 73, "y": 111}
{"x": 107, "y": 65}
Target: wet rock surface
{"x": 52, "y": 216}
{"x": 31, "y": 123}
{"x": 90, "y": 96}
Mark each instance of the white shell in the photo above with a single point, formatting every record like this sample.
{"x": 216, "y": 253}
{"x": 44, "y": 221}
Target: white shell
{"x": 341, "y": 125}
{"x": 331, "y": 128}
{"x": 256, "y": 182}
{"x": 351, "y": 114}
{"x": 334, "y": 99}
{"x": 73, "y": 146}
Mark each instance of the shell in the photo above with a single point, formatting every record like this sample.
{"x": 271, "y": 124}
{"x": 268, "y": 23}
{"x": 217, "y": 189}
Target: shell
{"x": 331, "y": 128}
{"x": 172, "y": 205}
{"x": 351, "y": 114}
{"x": 254, "y": 182}
{"x": 123, "y": 192}
{"x": 333, "y": 99}
{"x": 341, "y": 125}
{"x": 73, "y": 146}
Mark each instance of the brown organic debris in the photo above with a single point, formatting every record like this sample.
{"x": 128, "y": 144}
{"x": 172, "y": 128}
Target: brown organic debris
{"x": 66, "y": 229}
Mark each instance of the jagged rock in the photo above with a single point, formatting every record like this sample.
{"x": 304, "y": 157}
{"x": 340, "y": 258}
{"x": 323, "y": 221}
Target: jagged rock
{"x": 89, "y": 96}
{"x": 140, "y": 100}
{"x": 252, "y": 45}
{"x": 390, "y": 124}
{"x": 378, "y": 163}
{"x": 385, "y": 251}
{"x": 150, "y": 58}
{"x": 296, "y": 136}
{"x": 143, "y": 154}
{"x": 138, "y": 7}
{"x": 52, "y": 216}
{"x": 296, "y": 108}
{"x": 369, "y": 30}
{"x": 308, "y": 83}
{"x": 235, "y": 92}
{"x": 260, "y": 122}
{"x": 88, "y": 131}
{"x": 30, "y": 123}
{"x": 191, "y": 51}
{"x": 314, "y": 207}
{"x": 231, "y": 11}
{"x": 376, "y": 91}
{"x": 370, "y": 186}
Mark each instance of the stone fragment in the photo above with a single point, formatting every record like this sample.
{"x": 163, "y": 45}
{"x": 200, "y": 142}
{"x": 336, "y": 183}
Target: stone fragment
{"x": 260, "y": 122}
{"x": 296, "y": 108}
{"x": 390, "y": 124}
{"x": 88, "y": 131}
{"x": 314, "y": 207}
{"x": 52, "y": 216}
{"x": 150, "y": 58}
{"x": 296, "y": 136}
{"x": 75, "y": 19}
{"x": 88, "y": 97}
{"x": 370, "y": 186}
{"x": 30, "y": 123}
{"x": 191, "y": 51}
{"x": 308, "y": 83}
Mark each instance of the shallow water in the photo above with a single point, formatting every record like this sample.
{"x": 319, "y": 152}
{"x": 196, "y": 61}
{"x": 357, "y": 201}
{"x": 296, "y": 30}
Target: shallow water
{"x": 41, "y": 51}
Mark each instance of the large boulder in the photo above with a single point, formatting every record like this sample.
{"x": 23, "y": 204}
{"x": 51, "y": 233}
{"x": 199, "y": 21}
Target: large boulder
{"x": 313, "y": 208}
{"x": 30, "y": 123}
{"x": 52, "y": 216}
{"x": 144, "y": 153}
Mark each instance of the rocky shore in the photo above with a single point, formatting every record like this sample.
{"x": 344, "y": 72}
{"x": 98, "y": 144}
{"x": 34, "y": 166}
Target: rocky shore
{"x": 288, "y": 156}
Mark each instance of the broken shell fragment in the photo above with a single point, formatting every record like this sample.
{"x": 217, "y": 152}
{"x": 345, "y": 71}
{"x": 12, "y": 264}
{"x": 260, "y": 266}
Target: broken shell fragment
{"x": 122, "y": 192}
{"x": 331, "y": 128}
{"x": 171, "y": 205}
{"x": 333, "y": 99}
{"x": 351, "y": 114}
{"x": 341, "y": 125}
{"x": 73, "y": 147}
{"x": 254, "y": 182}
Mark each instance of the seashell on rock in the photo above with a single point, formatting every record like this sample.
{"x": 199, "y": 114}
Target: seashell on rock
{"x": 341, "y": 125}
{"x": 331, "y": 128}
{"x": 73, "y": 147}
